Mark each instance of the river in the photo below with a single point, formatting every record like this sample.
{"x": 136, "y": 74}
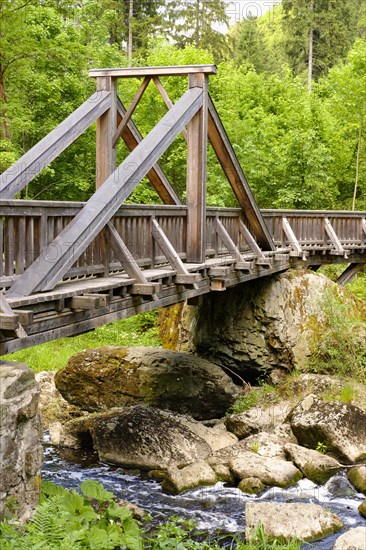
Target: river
{"x": 213, "y": 508}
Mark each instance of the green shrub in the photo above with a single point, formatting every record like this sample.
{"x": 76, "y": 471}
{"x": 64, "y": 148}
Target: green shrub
{"x": 340, "y": 348}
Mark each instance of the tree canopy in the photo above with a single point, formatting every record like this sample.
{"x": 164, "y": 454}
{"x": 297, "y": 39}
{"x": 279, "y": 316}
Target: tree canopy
{"x": 298, "y": 149}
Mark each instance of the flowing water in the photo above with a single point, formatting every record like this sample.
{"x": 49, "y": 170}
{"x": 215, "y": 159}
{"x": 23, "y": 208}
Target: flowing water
{"x": 213, "y": 508}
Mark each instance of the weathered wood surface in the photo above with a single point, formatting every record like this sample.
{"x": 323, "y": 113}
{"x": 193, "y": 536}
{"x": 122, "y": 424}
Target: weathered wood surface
{"x": 136, "y": 72}
{"x": 82, "y": 230}
{"x": 28, "y": 227}
{"x": 32, "y": 163}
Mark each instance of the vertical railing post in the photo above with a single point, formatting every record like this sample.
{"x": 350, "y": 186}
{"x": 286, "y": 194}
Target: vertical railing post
{"x": 196, "y": 175}
{"x": 105, "y": 152}
{"x": 106, "y": 128}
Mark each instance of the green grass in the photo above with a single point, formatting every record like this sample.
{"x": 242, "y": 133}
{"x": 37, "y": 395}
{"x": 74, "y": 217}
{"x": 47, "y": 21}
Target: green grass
{"x": 140, "y": 330}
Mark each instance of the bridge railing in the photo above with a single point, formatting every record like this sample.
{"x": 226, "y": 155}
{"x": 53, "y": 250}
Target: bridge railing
{"x": 315, "y": 230}
{"x": 27, "y": 227}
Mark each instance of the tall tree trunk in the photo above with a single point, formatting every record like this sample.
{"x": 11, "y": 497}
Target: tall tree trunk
{"x": 4, "y": 125}
{"x": 357, "y": 167}
{"x": 130, "y": 36}
{"x": 311, "y": 40}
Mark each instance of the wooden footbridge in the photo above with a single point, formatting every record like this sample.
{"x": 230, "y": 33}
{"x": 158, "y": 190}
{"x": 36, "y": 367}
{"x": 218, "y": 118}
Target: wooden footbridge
{"x": 67, "y": 268}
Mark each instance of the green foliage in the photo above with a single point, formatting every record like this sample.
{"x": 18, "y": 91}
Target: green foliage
{"x": 65, "y": 519}
{"x": 341, "y": 347}
{"x": 140, "y": 330}
{"x": 321, "y": 448}
{"x": 244, "y": 402}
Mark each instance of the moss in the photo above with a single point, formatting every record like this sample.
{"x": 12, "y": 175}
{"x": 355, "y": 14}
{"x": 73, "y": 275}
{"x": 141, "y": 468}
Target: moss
{"x": 169, "y": 325}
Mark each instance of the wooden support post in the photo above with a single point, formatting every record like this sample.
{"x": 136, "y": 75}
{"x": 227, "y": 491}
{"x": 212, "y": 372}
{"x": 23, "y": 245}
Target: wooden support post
{"x": 351, "y": 271}
{"x": 196, "y": 175}
{"x": 106, "y": 128}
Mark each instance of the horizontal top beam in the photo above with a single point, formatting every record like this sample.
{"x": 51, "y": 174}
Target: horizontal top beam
{"x": 133, "y": 72}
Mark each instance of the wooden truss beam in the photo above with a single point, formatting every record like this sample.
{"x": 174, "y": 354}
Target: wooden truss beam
{"x": 235, "y": 175}
{"x": 127, "y": 116}
{"x": 168, "y": 102}
{"x": 47, "y": 270}
{"x": 156, "y": 176}
{"x": 32, "y": 163}
{"x": 349, "y": 273}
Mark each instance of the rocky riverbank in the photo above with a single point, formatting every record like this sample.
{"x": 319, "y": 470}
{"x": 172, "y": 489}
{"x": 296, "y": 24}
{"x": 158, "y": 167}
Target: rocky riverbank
{"x": 248, "y": 414}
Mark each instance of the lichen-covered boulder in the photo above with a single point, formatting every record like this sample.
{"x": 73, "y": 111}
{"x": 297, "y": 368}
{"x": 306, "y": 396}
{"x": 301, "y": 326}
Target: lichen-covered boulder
{"x": 305, "y": 522}
{"x": 353, "y": 539}
{"x": 340, "y": 427}
{"x": 138, "y": 437}
{"x": 20, "y": 438}
{"x": 357, "y": 477}
{"x": 103, "y": 378}
{"x": 362, "y": 508}
{"x": 194, "y": 475}
{"x": 270, "y": 471}
{"x": 267, "y": 323}
{"x": 257, "y": 419}
{"x": 314, "y": 465}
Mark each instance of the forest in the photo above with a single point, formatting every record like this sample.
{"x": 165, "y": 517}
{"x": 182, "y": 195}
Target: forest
{"x": 290, "y": 88}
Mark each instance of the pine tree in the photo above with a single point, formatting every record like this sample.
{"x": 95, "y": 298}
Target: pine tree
{"x": 198, "y": 23}
{"x": 319, "y": 33}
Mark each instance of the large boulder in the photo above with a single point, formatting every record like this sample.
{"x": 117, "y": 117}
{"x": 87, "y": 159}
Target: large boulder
{"x": 193, "y": 475}
{"x": 353, "y": 539}
{"x": 100, "y": 379}
{"x": 20, "y": 439}
{"x": 267, "y": 323}
{"x": 305, "y": 522}
{"x": 357, "y": 477}
{"x": 362, "y": 508}
{"x": 314, "y": 465}
{"x": 144, "y": 438}
{"x": 270, "y": 471}
{"x": 257, "y": 419}
{"x": 340, "y": 427}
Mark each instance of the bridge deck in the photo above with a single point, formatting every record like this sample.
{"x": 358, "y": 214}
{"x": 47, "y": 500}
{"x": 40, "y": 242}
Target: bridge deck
{"x": 99, "y": 288}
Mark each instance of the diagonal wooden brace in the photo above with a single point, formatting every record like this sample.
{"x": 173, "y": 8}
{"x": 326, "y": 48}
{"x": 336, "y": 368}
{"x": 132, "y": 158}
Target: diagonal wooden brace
{"x": 261, "y": 259}
{"x": 334, "y": 238}
{"x": 183, "y": 276}
{"x": 294, "y": 243}
{"x": 228, "y": 242}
